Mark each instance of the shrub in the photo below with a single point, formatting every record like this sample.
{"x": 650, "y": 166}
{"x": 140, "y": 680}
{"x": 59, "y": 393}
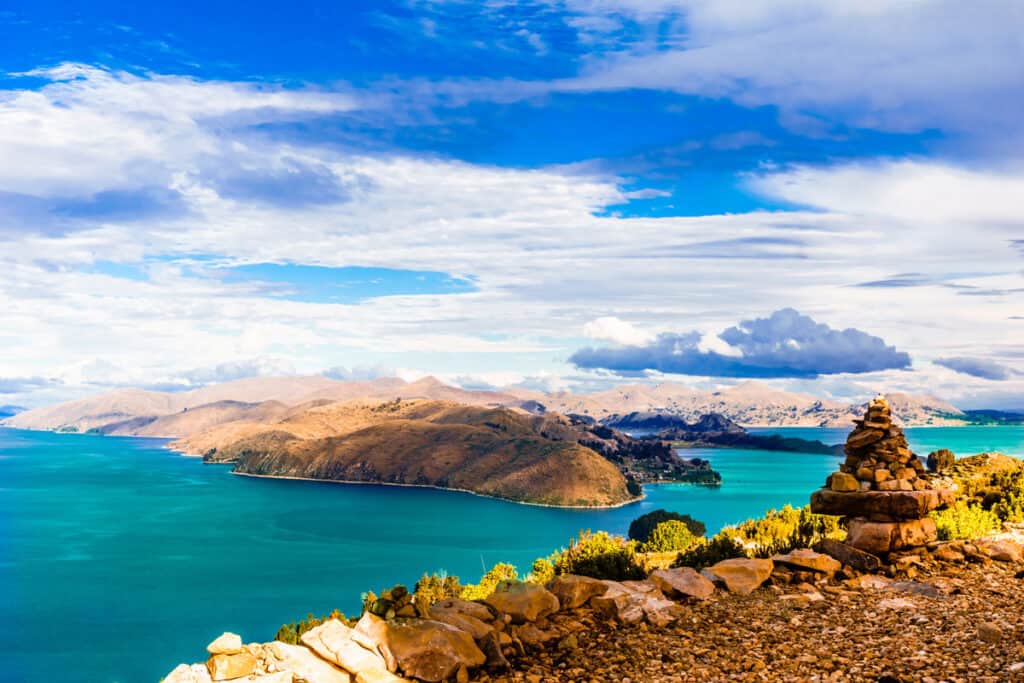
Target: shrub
{"x": 290, "y": 633}
{"x": 542, "y": 571}
{"x": 599, "y": 555}
{"x": 706, "y": 552}
{"x": 778, "y": 531}
{"x": 641, "y": 527}
{"x": 786, "y": 529}
{"x": 963, "y": 521}
{"x": 433, "y": 588}
{"x": 669, "y": 535}
{"x": 490, "y": 581}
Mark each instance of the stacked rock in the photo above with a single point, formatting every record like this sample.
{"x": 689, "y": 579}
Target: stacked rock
{"x": 881, "y": 487}
{"x": 878, "y": 457}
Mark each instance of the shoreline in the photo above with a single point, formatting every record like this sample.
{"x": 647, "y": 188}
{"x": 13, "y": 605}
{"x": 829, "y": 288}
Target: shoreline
{"x": 436, "y": 488}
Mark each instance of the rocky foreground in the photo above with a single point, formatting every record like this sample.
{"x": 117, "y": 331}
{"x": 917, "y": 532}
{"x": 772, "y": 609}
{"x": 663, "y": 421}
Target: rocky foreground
{"x": 948, "y": 612}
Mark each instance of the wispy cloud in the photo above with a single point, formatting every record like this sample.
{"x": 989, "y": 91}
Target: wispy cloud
{"x": 977, "y": 367}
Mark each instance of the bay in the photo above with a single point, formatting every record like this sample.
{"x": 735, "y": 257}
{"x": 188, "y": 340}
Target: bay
{"x": 119, "y": 559}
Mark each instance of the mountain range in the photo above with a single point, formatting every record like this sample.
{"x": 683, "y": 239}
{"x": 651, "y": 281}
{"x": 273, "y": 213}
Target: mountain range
{"x": 153, "y": 413}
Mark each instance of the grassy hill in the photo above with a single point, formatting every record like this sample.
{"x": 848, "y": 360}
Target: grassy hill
{"x": 491, "y": 451}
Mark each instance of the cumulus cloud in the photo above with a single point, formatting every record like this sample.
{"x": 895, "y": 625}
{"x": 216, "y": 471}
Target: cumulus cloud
{"x": 610, "y": 328}
{"x": 785, "y": 344}
{"x": 977, "y": 367}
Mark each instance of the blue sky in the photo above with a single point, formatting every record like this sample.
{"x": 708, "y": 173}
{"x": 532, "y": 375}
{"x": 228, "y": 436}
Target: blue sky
{"x": 491, "y": 192}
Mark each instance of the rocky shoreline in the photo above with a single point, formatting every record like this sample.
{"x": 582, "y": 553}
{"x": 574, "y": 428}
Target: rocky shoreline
{"x": 947, "y": 612}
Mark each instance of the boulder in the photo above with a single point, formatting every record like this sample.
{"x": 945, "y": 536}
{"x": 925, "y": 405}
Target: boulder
{"x": 304, "y": 664}
{"x": 523, "y": 602}
{"x": 370, "y": 632}
{"x": 225, "y": 644}
{"x": 471, "y": 625}
{"x": 573, "y": 591}
{"x": 682, "y": 582}
{"x": 422, "y": 648}
{"x": 941, "y": 460}
{"x": 631, "y": 602}
{"x": 807, "y": 559}
{"x": 884, "y": 537}
{"x": 742, "y": 575}
{"x": 848, "y": 555}
{"x": 332, "y": 640}
{"x": 473, "y": 609}
{"x": 1001, "y": 551}
{"x": 226, "y": 667}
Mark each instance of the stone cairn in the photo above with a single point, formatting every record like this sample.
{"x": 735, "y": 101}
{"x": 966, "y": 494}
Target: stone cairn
{"x": 882, "y": 488}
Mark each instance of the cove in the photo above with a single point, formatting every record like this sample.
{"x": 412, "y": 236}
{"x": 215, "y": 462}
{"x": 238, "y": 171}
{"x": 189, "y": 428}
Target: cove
{"x": 118, "y": 557}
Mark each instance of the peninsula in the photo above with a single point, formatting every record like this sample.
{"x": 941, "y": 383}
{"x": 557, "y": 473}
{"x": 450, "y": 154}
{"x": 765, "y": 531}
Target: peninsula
{"x": 499, "y": 452}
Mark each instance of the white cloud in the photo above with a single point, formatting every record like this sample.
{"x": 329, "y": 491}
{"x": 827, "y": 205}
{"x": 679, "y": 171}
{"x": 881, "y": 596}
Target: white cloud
{"x": 610, "y": 328}
{"x": 545, "y": 259}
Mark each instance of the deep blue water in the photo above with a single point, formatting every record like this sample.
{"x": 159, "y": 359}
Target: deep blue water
{"x": 119, "y": 559}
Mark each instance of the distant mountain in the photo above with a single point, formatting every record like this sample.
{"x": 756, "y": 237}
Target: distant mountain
{"x": 125, "y": 411}
{"x": 141, "y": 412}
{"x": 753, "y": 404}
{"x": 994, "y": 417}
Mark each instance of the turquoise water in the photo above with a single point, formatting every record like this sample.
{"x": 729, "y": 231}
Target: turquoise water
{"x": 119, "y": 559}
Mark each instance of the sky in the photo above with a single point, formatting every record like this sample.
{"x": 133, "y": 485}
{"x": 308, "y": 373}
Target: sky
{"x": 558, "y": 194}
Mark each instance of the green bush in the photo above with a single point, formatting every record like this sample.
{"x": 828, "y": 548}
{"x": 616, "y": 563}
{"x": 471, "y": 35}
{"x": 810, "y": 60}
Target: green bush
{"x": 641, "y": 527}
{"x": 786, "y": 529}
{"x": 706, "y": 552}
{"x": 778, "y": 531}
{"x": 490, "y": 581}
{"x": 542, "y": 571}
{"x": 963, "y": 521}
{"x": 669, "y": 535}
{"x": 433, "y": 588}
{"x": 290, "y": 633}
{"x": 599, "y": 555}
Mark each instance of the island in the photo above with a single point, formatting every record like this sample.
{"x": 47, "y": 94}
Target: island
{"x": 548, "y": 459}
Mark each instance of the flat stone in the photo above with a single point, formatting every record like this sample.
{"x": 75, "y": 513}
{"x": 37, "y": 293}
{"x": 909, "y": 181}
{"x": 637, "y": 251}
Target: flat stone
{"x": 225, "y": 644}
{"x": 523, "y": 602}
{"x": 862, "y": 436}
{"x": 891, "y": 505}
{"x": 804, "y": 558}
{"x": 742, "y": 575}
{"x": 477, "y": 610}
{"x": 305, "y": 664}
{"x": 682, "y": 582}
{"x": 884, "y": 537}
{"x": 574, "y": 591}
{"x": 841, "y": 481}
{"x": 332, "y": 640}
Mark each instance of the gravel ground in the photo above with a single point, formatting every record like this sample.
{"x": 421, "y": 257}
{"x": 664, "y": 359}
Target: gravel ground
{"x": 952, "y": 623}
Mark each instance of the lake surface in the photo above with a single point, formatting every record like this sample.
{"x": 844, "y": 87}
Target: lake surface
{"x": 120, "y": 559}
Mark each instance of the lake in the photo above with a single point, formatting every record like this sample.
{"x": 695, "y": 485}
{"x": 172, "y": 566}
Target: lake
{"x": 120, "y": 559}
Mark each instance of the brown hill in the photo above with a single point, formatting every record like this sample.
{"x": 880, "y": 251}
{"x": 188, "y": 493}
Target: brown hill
{"x": 497, "y": 452}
